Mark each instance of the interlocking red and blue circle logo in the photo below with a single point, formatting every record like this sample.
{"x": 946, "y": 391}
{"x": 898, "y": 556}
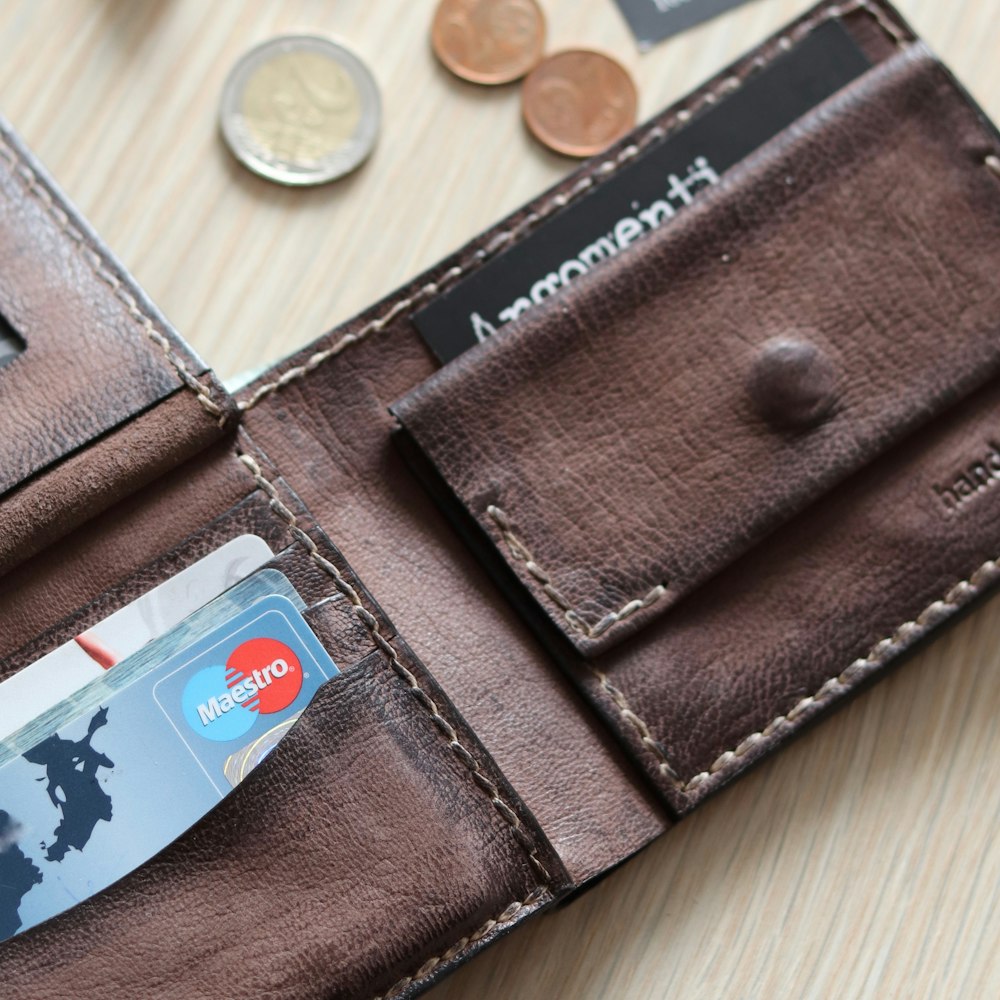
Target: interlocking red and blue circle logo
{"x": 261, "y": 677}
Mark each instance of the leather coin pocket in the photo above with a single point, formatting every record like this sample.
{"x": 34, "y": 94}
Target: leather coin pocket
{"x": 630, "y": 456}
{"x": 627, "y": 440}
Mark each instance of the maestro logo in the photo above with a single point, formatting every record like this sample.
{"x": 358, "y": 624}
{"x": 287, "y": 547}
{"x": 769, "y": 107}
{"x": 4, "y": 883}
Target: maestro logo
{"x": 262, "y": 676}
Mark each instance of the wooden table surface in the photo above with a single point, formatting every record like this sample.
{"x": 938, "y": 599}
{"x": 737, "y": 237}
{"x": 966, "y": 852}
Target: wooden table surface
{"x": 861, "y": 862}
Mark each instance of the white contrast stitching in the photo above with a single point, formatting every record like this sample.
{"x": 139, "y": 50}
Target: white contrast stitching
{"x": 935, "y": 612}
{"x": 98, "y": 265}
{"x": 388, "y": 650}
{"x": 521, "y": 552}
{"x": 889, "y": 27}
{"x": 958, "y": 595}
{"x": 621, "y": 703}
{"x": 601, "y": 171}
{"x": 508, "y": 914}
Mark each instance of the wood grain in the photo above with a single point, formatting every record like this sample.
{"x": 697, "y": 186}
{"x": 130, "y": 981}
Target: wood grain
{"x": 862, "y": 862}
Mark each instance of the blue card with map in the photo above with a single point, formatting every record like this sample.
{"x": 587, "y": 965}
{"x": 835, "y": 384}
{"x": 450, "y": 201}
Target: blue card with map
{"x": 110, "y": 789}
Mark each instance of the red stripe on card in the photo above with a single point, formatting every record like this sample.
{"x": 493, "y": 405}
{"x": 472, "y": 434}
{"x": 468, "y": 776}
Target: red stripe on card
{"x": 97, "y": 651}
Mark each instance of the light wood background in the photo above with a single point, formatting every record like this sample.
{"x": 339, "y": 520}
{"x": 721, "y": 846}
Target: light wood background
{"x": 861, "y": 862}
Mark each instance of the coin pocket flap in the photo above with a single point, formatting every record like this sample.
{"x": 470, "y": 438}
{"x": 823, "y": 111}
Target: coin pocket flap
{"x": 628, "y": 439}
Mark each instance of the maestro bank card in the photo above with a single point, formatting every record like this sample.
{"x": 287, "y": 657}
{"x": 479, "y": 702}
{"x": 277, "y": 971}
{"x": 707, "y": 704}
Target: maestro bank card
{"x": 67, "y": 669}
{"x": 95, "y": 800}
{"x": 201, "y": 623}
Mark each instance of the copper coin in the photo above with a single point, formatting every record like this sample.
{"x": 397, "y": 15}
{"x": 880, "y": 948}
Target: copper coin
{"x": 489, "y": 41}
{"x": 578, "y": 102}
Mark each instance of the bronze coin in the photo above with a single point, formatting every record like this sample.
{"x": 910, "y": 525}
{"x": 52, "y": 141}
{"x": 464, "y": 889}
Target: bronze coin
{"x": 489, "y": 41}
{"x": 578, "y": 102}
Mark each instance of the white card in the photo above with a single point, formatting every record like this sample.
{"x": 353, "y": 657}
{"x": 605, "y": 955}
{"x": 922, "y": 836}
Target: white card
{"x": 68, "y": 668}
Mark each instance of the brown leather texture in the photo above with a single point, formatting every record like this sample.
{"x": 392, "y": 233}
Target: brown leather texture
{"x": 48, "y": 506}
{"x": 827, "y": 604}
{"x": 626, "y": 440}
{"x": 138, "y": 536}
{"x": 361, "y": 842}
{"x": 98, "y": 354}
{"x": 329, "y": 436}
{"x": 377, "y": 841}
{"x": 461, "y": 774}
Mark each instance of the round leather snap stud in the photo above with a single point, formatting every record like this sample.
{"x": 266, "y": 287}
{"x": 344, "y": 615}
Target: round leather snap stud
{"x": 792, "y": 383}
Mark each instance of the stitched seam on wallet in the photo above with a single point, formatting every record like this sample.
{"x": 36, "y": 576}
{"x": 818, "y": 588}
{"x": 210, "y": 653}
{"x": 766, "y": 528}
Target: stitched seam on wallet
{"x": 576, "y": 621}
{"x": 388, "y": 650}
{"x": 98, "y": 265}
{"x": 508, "y": 237}
{"x": 509, "y": 914}
{"x": 543, "y": 578}
{"x": 935, "y": 612}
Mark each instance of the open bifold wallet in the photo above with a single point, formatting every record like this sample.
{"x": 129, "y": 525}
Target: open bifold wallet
{"x": 317, "y": 689}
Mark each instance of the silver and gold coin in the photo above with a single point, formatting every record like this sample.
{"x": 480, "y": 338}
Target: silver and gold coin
{"x": 238, "y": 765}
{"x": 300, "y": 109}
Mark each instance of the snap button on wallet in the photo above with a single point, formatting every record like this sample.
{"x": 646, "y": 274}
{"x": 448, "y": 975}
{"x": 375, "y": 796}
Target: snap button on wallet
{"x": 576, "y": 579}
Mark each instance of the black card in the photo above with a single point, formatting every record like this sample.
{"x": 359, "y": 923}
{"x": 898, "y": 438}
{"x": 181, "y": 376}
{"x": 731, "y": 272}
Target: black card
{"x": 642, "y": 195}
{"x": 653, "y": 20}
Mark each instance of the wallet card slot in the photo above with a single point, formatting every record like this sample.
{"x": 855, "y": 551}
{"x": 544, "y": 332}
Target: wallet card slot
{"x": 66, "y": 302}
{"x": 447, "y": 836}
{"x": 31, "y": 628}
{"x": 627, "y": 440}
{"x": 363, "y": 799}
{"x": 253, "y": 517}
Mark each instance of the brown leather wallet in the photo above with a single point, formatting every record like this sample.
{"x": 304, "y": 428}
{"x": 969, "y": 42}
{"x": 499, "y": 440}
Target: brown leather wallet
{"x": 641, "y": 537}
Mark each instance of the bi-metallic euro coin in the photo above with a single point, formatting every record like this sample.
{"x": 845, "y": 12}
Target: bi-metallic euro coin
{"x": 300, "y": 109}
